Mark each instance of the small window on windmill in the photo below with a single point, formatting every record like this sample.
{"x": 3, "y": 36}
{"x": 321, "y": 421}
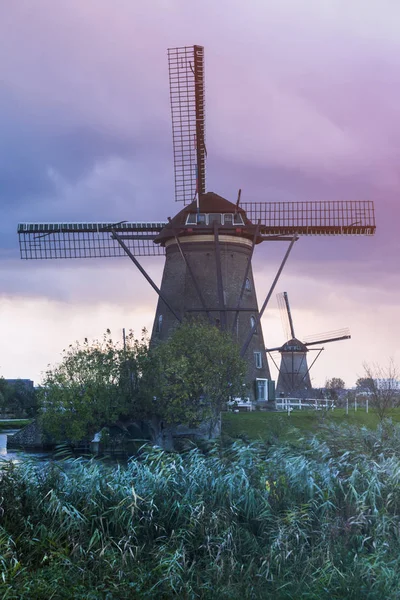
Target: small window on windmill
{"x": 238, "y": 219}
{"x": 247, "y": 285}
{"x": 258, "y": 360}
{"x": 191, "y": 219}
{"x": 159, "y": 324}
{"x": 214, "y": 218}
{"x": 201, "y": 219}
{"x": 253, "y": 323}
{"x": 228, "y": 219}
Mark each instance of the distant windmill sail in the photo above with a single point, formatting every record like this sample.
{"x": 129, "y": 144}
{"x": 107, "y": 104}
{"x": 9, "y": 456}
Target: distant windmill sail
{"x": 289, "y": 314}
{"x": 330, "y": 336}
{"x": 284, "y": 315}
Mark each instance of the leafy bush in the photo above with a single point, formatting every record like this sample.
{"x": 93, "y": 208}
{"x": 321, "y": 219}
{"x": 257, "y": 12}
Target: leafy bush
{"x": 184, "y": 380}
{"x": 94, "y": 385}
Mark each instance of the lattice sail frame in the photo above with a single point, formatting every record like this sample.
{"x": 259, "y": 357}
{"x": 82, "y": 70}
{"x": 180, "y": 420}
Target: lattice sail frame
{"x": 87, "y": 240}
{"x": 95, "y": 240}
{"x": 186, "y": 81}
{"x": 351, "y": 217}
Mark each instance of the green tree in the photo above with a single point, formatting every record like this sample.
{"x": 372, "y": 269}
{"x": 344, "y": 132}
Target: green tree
{"x": 336, "y": 383}
{"x": 17, "y": 398}
{"x": 194, "y": 373}
{"x": 364, "y": 383}
{"x": 95, "y": 385}
{"x": 22, "y": 399}
{"x": 3, "y": 395}
{"x": 333, "y": 386}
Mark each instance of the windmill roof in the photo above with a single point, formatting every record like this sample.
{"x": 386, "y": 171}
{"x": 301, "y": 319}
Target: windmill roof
{"x": 208, "y": 203}
{"x": 213, "y": 203}
{"x": 293, "y": 345}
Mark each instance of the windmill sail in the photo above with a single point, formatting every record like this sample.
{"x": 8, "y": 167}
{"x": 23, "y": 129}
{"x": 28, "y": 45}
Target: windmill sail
{"x": 284, "y": 316}
{"x": 278, "y": 219}
{"x": 351, "y": 217}
{"x": 330, "y": 336}
{"x": 186, "y": 81}
{"x": 87, "y": 240}
{"x": 289, "y": 314}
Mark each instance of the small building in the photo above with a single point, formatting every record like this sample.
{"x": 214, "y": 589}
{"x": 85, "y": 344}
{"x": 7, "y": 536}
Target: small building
{"x": 27, "y": 383}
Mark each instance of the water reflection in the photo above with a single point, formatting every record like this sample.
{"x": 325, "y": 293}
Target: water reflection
{"x": 16, "y": 455}
{"x": 19, "y": 455}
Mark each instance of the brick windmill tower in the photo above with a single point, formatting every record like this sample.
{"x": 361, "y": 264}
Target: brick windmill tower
{"x": 209, "y": 244}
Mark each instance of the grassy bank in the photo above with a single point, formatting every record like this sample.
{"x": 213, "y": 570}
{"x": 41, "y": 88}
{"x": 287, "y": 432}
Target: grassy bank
{"x": 278, "y": 425}
{"x": 255, "y": 521}
{"x": 13, "y": 423}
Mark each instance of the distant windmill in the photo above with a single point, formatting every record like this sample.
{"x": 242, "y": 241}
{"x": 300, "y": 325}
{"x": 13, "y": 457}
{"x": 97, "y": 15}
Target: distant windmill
{"x": 294, "y": 372}
{"x": 209, "y": 244}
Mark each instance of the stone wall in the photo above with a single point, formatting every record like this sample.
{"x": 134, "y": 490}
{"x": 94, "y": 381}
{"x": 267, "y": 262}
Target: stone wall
{"x": 30, "y": 437}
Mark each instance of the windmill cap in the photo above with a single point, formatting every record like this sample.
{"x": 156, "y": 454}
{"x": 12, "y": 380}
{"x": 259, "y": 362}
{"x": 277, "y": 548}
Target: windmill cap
{"x": 213, "y": 203}
{"x": 208, "y": 203}
{"x": 293, "y": 345}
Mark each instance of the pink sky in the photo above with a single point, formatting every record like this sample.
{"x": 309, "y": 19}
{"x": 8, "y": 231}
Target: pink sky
{"x": 302, "y": 103}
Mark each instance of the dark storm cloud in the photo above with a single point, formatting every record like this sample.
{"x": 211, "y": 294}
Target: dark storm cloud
{"x": 84, "y": 113}
{"x": 28, "y": 157}
{"x": 24, "y": 173}
{"x": 22, "y": 146}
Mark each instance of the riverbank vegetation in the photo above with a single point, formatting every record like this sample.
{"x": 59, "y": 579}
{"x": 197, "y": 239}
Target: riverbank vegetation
{"x": 319, "y": 519}
{"x": 184, "y": 380}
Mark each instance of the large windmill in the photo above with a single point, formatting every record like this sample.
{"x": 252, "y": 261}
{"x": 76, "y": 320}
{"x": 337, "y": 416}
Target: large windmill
{"x": 294, "y": 373}
{"x": 209, "y": 244}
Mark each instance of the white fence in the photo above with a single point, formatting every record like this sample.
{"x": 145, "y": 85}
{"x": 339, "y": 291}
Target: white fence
{"x": 238, "y": 404}
{"x": 289, "y": 404}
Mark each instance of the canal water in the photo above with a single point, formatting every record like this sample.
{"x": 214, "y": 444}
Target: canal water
{"x": 16, "y": 455}
{"x": 19, "y": 455}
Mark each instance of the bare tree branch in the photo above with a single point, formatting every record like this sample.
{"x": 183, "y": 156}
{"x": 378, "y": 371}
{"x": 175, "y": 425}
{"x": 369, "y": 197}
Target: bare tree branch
{"x": 383, "y": 387}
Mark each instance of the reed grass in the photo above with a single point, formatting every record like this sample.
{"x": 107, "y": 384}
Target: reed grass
{"x": 317, "y": 519}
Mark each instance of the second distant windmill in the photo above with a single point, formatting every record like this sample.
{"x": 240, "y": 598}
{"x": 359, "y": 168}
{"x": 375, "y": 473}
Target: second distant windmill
{"x": 294, "y": 372}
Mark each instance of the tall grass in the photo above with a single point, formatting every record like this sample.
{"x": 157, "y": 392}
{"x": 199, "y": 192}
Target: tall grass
{"x": 316, "y": 520}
